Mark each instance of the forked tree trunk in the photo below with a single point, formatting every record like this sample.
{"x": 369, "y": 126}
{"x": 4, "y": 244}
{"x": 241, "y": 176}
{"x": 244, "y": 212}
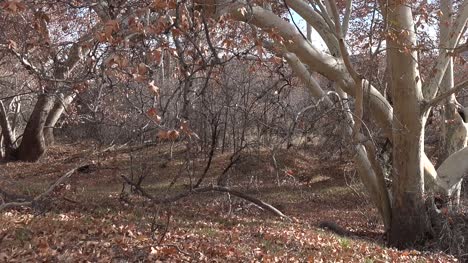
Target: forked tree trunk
{"x": 409, "y": 218}
{"x": 33, "y": 144}
{"x": 54, "y": 115}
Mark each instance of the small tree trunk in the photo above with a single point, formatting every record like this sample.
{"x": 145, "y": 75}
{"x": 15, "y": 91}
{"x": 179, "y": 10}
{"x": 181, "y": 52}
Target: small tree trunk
{"x": 7, "y": 134}
{"x": 1, "y": 146}
{"x": 54, "y": 115}
{"x": 33, "y": 144}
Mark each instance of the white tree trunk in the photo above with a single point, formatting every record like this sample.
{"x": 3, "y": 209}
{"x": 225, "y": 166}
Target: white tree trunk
{"x": 452, "y": 170}
{"x": 409, "y": 219}
{"x": 454, "y": 130}
{"x": 405, "y": 126}
{"x": 54, "y": 115}
{"x": 8, "y": 138}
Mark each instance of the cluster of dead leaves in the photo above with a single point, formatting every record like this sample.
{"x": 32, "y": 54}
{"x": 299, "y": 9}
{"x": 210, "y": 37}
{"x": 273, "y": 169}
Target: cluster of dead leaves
{"x": 13, "y": 6}
{"x": 114, "y": 235}
{"x": 107, "y": 33}
{"x": 164, "y": 4}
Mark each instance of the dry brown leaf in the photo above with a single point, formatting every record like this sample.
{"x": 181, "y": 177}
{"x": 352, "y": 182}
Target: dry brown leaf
{"x": 153, "y": 88}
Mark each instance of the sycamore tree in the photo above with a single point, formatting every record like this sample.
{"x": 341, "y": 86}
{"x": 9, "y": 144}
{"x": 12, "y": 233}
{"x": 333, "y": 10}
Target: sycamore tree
{"x": 403, "y": 119}
{"x": 59, "y": 49}
{"x": 47, "y": 42}
{"x": 126, "y": 41}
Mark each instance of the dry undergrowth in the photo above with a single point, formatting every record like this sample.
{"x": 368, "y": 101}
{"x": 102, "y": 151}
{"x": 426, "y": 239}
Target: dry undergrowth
{"x": 88, "y": 219}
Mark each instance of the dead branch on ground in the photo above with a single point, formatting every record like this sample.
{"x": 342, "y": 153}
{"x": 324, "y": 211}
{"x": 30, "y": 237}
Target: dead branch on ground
{"x": 43, "y": 195}
{"x": 211, "y": 188}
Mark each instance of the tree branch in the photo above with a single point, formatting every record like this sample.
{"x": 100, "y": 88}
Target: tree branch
{"x": 359, "y": 82}
{"x": 452, "y": 170}
{"x": 461, "y": 86}
{"x": 347, "y": 16}
{"x": 41, "y": 196}
{"x": 316, "y": 21}
{"x": 211, "y": 188}
{"x": 461, "y": 48}
{"x": 450, "y": 43}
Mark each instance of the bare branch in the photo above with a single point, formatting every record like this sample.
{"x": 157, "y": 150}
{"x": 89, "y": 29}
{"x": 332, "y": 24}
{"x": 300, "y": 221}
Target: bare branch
{"x": 211, "y": 188}
{"x": 43, "y": 195}
{"x": 359, "y": 82}
{"x": 461, "y": 86}
{"x": 318, "y": 22}
{"x": 23, "y": 60}
{"x": 347, "y": 16}
{"x": 461, "y": 48}
{"x": 449, "y": 43}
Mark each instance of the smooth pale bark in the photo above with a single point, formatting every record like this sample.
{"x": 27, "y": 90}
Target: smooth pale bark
{"x": 454, "y": 130}
{"x": 447, "y": 45}
{"x": 317, "y": 61}
{"x": 54, "y": 115}
{"x": 7, "y": 133}
{"x": 1, "y": 146}
{"x": 347, "y": 16}
{"x": 374, "y": 184}
{"x": 452, "y": 170}
{"x": 330, "y": 67}
{"x": 317, "y": 22}
{"x": 382, "y": 112}
{"x": 409, "y": 219}
{"x": 369, "y": 170}
{"x": 33, "y": 144}
{"x": 16, "y": 105}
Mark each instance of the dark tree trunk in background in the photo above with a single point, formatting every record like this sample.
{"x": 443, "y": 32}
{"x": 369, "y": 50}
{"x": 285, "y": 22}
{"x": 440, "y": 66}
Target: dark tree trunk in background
{"x": 33, "y": 144}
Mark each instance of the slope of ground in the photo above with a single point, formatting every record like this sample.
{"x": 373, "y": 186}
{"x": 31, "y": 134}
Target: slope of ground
{"x": 89, "y": 218}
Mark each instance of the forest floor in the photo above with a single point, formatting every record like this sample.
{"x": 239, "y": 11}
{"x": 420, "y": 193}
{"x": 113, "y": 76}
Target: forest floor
{"x": 89, "y": 219}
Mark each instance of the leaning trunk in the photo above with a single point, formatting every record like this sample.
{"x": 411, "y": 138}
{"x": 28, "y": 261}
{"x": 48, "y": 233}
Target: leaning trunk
{"x": 33, "y": 144}
{"x": 409, "y": 219}
{"x": 54, "y": 115}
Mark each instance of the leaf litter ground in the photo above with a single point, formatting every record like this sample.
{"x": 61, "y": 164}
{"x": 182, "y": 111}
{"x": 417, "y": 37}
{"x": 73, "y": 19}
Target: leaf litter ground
{"x": 89, "y": 220}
